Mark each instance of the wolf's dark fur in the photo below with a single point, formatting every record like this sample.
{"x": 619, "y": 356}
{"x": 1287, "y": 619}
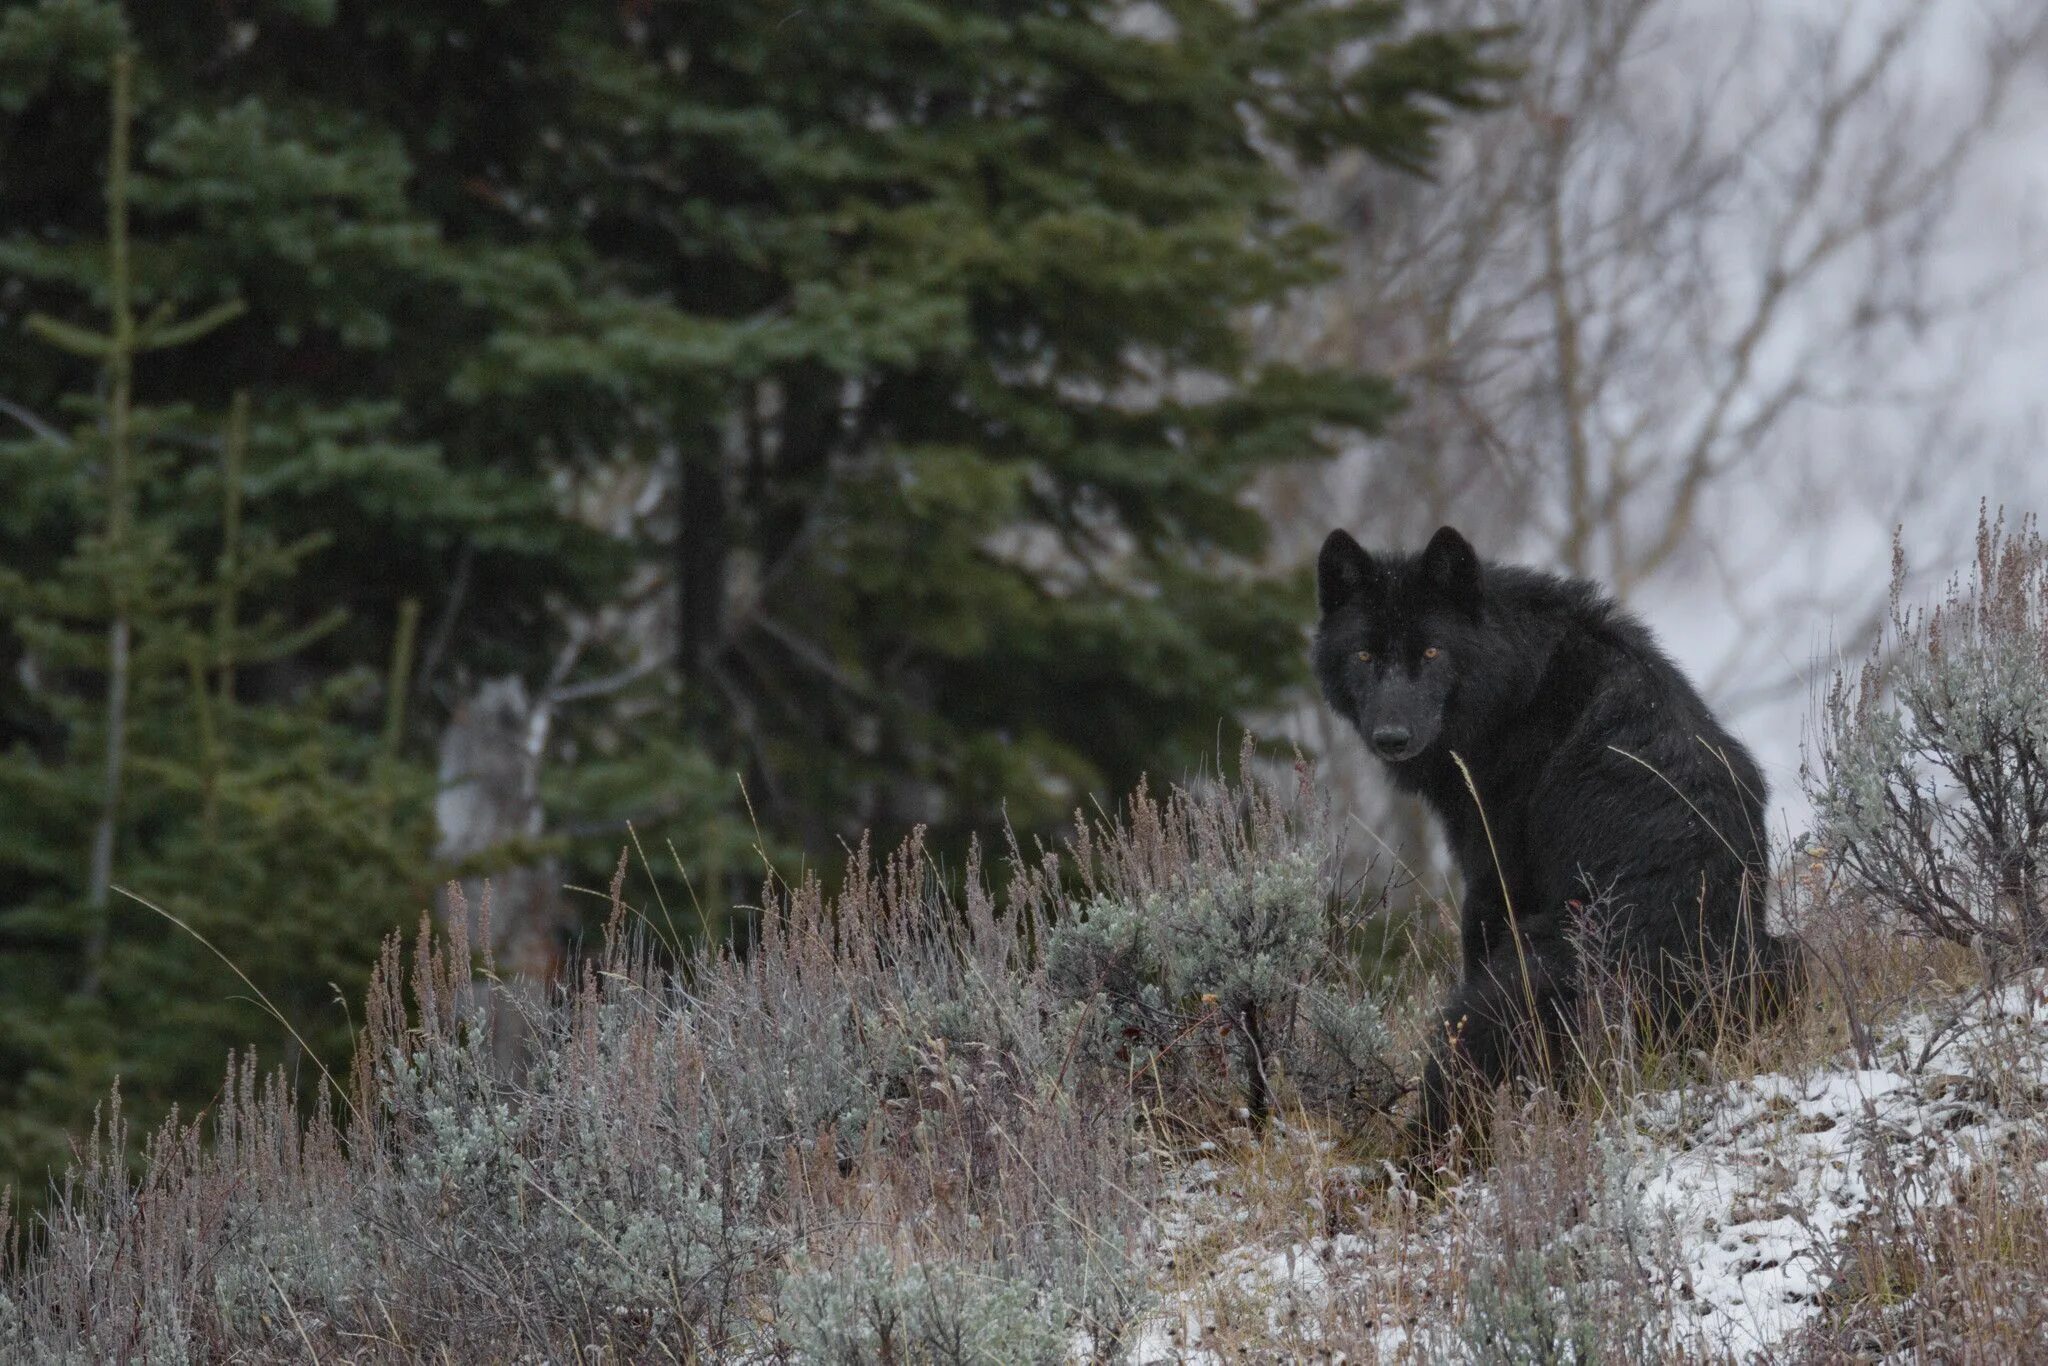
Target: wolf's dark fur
{"x": 1600, "y": 775}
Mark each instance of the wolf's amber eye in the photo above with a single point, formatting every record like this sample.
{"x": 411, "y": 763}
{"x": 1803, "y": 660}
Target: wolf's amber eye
{"x": 1430, "y": 653}
{"x": 1365, "y": 656}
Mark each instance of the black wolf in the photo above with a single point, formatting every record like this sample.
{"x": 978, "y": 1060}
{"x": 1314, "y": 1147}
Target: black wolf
{"x": 1572, "y": 764}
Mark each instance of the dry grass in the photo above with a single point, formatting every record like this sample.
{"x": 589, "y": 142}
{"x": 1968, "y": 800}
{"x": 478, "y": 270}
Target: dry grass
{"x": 884, "y": 1131}
{"x": 879, "y": 1131}
{"x": 1309, "y": 1247}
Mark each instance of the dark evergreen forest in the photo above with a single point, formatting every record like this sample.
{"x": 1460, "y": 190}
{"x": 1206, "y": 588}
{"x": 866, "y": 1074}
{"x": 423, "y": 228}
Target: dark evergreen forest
{"x": 457, "y": 440}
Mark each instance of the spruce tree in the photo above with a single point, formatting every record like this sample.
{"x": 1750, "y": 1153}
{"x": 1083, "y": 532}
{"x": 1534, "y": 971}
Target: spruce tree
{"x": 926, "y": 321}
{"x": 313, "y": 581}
{"x": 150, "y": 770}
{"x": 939, "y": 311}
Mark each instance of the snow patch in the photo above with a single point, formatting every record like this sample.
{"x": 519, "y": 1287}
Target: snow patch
{"x": 1754, "y": 1185}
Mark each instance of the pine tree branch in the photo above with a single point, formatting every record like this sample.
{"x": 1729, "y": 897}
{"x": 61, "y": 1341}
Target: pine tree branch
{"x": 36, "y": 425}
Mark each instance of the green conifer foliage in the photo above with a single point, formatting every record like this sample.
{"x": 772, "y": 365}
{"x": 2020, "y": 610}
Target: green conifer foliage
{"x": 923, "y": 323}
{"x": 269, "y": 824}
{"x": 940, "y": 310}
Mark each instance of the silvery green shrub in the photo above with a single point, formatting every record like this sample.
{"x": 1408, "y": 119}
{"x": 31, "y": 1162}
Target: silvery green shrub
{"x": 306, "y": 1254}
{"x": 1340, "y": 1059}
{"x": 1521, "y": 1312}
{"x": 1547, "y": 1292}
{"x": 1212, "y": 950}
{"x": 869, "y": 1311}
{"x": 899, "y": 1109}
{"x": 1929, "y": 777}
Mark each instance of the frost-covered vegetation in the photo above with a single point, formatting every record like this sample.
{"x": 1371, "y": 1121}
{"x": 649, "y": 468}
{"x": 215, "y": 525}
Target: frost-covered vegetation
{"x": 1132, "y": 1100}
{"x": 1933, "y": 787}
{"x": 1815, "y": 1201}
{"x": 895, "y": 1125}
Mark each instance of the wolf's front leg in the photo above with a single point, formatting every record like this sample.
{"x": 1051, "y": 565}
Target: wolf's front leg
{"x": 1501, "y": 1022}
{"x": 1483, "y": 924}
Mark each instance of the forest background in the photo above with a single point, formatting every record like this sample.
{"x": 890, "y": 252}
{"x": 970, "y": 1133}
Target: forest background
{"x": 456, "y": 442}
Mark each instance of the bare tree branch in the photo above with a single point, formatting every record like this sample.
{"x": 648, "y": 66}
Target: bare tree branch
{"x": 1697, "y": 288}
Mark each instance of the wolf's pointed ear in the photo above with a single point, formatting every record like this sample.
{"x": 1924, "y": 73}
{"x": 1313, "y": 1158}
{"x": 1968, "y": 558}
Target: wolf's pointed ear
{"x": 1451, "y": 566}
{"x": 1343, "y": 571}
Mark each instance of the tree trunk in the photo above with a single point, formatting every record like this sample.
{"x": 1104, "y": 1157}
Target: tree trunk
{"x": 120, "y": 373}
{"x": 701, "y": 544}
{"x": 489, "y": 797}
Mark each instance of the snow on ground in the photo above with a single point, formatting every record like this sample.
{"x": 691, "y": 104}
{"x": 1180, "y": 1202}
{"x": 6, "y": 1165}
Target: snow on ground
{"x": 1761, "y": 1193}
{"x": 1751, "y": 1185}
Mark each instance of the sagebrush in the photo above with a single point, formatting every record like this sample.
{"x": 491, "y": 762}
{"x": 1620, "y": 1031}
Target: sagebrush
{"x": 896, "y": 1123}
{"x": 1930, "y": 777}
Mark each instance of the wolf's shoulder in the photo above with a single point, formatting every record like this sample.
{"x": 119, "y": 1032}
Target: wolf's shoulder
{"x": 1519, "y": 590}
{"x": 1597, "y": 649}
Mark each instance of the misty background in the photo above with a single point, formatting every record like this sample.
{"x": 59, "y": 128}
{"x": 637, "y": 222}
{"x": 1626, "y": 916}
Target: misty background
{"x": 567, "y": 431}
{"x": 1729, "y": 298}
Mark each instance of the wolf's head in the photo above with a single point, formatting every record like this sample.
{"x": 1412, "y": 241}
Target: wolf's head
{"x": 1393, "y": 633}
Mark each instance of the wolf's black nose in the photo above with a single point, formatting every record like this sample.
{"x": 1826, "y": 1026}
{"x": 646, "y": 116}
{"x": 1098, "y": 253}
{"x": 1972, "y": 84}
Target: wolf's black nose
{"x": 1389, "y": 741}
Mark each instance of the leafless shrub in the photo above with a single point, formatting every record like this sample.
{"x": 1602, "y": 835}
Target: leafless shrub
{"x": 1930, "y": 776}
